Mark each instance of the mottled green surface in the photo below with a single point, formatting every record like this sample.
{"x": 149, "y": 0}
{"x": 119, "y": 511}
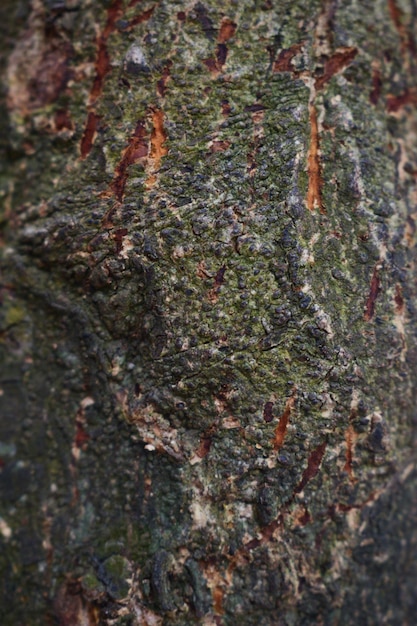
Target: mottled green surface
{"x": 144, "y": 329}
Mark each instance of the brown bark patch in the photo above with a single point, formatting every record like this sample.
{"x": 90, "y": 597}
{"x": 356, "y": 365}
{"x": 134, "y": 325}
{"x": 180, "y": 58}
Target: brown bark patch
{"x": 140, "y": 18}
{"x": 102, "y": 65}
{"x": 335, "y": 64}
{"x": 62, "y": 120}
{"x": 213, "y": 294}
{"x": 158, "y": 137}
{"x": 70, "y": 607}
{"x": 114, "y": 13}
{"x": 410, "y": 232}
{"x": 313, "y": 466}
{"x": 102, "y": 68}
{"x": 395, "y": 14}
{"x": 283, "y": 62}
{"x": 215, "y": 63}
{"x": 350, "y": 439}
{"x": 227, "y": 30}
{"x": 226, "y": 108}
{"x": 376, "y": 86}
{"x": 81, "y": 436}
{"x": 218, "y": 595}
{"x": 221, "y": 55}
{"x": 219, "y": 146}
{"x": 266, "y": 534}
{"x": 204, "y": 447}
{"x": 89, "y": 134}
{"x": 158, "y": 148}
{"x": 211, "y": 65}
{"x": 373, "y": 294}
{"x": 137, "y": 149}
{"x": 407, "y": 40}
{"x": 396, "y": 103}
{"x": 399, "y": 300}
{"x": 161, "y": 85}
{"x": 302, "y": 517}
{"x": 315, "y": 180}
{"x": 201, "y": 271}
{"x": 118, "y": 236}
{"x": 205, "y": 442}
{"x": 281, "y": 428}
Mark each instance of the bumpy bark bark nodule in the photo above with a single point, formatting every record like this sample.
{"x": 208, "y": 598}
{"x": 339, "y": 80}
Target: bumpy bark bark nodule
{"x": 208, "y": 324}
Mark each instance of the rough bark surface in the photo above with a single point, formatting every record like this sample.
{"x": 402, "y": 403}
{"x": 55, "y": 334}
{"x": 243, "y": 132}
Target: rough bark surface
{"x": 208, "y": 324}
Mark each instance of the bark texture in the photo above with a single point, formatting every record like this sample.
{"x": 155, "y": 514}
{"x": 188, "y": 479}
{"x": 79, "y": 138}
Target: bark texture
{"x": 208, "y": 324}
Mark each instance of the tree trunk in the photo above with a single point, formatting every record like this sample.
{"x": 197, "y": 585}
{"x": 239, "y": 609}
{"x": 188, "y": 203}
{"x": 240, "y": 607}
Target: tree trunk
{"x": 208, "y": 324}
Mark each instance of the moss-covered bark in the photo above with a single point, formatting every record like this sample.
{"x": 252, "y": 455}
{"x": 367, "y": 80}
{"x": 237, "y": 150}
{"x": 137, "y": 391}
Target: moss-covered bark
{"x": 208, "y": 325}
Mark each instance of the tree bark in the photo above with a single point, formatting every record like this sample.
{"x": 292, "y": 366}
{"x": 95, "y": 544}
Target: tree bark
{"x": 208, "y": 324}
